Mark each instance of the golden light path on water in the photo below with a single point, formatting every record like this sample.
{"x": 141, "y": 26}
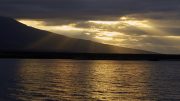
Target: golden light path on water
{"x": 83, "y": 80}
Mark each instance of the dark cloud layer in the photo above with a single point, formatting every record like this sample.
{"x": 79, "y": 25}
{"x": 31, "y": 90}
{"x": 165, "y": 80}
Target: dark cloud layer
{"x": 89, "y": 9}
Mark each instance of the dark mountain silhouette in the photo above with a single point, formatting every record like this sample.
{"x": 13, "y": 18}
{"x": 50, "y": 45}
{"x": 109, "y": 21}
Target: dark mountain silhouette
{"x": 15, "y": 36}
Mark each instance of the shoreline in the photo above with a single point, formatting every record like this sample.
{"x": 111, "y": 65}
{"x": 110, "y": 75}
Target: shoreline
{"x": 89, "y": 56}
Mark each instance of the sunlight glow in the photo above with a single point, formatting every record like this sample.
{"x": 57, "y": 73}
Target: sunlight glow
{"x": 41, "y": 25}
{"x": 105, "y": 22}
{"x": 104, "y": 38}
{"x": 123, "y": 18}
{"x": 66, "y": 28}
{"x": 32, "y": 23}
{"x": 138, "y": 23}
{"x": 135, "y": 22}
{"x": 109, "y": 34}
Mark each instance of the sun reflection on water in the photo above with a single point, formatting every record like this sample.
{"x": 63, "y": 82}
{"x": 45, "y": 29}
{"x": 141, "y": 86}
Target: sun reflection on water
{"x": 119, "y": 81}
{"x": 82, "y": 80}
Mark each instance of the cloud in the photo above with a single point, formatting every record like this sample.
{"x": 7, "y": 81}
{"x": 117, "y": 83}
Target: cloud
{"x": 89, "y": 9}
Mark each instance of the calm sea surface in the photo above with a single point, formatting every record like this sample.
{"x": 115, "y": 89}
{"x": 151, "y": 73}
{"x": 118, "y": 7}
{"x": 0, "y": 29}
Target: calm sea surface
{"x": 84, "y": 80}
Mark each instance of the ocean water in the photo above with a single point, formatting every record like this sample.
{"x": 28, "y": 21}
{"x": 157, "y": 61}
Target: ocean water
{"x": 87, "y": 80}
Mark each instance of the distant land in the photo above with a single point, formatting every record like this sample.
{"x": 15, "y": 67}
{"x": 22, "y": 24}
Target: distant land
{"x": 89, "y": 56}
{"x": 21, "y": 41}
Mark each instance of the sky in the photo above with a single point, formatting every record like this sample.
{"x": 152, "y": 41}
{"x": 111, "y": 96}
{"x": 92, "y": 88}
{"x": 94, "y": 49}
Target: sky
{"x": 152, "y": 25}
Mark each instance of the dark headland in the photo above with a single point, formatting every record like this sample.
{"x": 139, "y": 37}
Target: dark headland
{"x": 21, "y": 41}
{"x": 88, "y": 56}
